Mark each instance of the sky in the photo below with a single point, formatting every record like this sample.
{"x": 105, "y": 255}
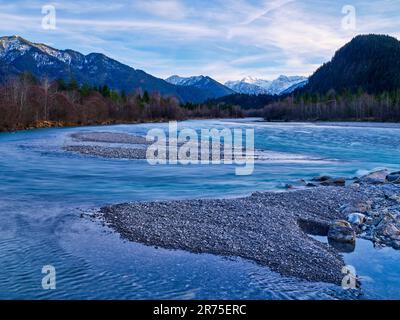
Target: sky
{"x": 224, "y": 39}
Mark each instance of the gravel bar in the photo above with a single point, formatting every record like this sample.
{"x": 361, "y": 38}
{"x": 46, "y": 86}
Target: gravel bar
{"x": 109, "y": 152}
{"x": 136, "y": 149}
{"x": 109, "y": 137}
{"x": 264, "y": 227}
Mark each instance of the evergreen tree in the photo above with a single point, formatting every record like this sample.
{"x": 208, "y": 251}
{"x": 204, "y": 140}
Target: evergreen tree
{"x": 61, "y": 85}
{"x": 146, "y": 97}
{"x": 85, "y": 90}
{"x": 105, "y": 91}
{"x": 73, "y": 85}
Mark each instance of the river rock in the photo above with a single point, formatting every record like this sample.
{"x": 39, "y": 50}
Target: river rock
{"x": 338, "y": 182}
{"x": 394, "y": 177}
{"x": 345, "y": 247}
{"x": 377, "y": 177}
{"x": 356, "y": 218}
{"x": 388, "y": 230}
{"x": 342, "y": 231}
{"x": 321, "y": 178}
{"x": 361, "y": 207}
{"x": 395, "y": 197}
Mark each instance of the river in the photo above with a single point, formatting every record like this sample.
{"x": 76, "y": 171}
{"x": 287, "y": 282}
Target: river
{"x": 44, "y": 190}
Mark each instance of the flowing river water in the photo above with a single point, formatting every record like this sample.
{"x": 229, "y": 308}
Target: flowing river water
{"x": 44, "y": 191}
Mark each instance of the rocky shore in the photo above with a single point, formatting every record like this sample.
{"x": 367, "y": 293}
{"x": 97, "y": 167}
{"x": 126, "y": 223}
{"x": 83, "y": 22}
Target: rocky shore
{"x": 271, "y": 229}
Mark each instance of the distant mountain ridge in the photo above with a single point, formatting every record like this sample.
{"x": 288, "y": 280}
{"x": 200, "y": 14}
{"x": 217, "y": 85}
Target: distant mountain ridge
{"x": 255, "y": 86}
{"x": 18, "y": 55}
{"x": 213, "y": 87}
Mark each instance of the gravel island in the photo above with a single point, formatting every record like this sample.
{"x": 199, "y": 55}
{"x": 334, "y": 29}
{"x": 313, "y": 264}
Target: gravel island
{"x": 267, "y": 228}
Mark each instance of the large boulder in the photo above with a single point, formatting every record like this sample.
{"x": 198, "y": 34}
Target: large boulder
{"x": 341, "y": 231}
{"x": 345, "y": 247}
{"x": 377, "y": 177}
{"x": 388, "y": 229}
{"x": 329, "y": 181}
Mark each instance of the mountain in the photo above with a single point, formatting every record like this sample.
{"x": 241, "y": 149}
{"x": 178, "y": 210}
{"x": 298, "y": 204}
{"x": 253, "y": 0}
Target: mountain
{"x": 18, "y": 55}
{"x": 370, "y": 62}
{"x": 284, "y": 83}
{"x": 294, "y": 87}
{"x": 213, "y": 87}
{"x": 257, "y": 82}
{"x": 245, "y": 87}
{"x": 255, "y": 86}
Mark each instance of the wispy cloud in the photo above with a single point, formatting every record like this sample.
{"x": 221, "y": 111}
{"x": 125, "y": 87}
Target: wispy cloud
{"x": 171, "y": 9}
{"x": 266, "y": 8}
{"x": 226, "y": 39}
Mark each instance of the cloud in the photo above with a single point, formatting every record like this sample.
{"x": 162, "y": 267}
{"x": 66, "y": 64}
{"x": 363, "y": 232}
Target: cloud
{"x": 171, "y": 9}
{"x": 293, "y": 30}
{"x": 266, "y": 8}
{"x": 74, "y": 7}
{"x": 226, "y": 39}
{"x": 151, "y": 26}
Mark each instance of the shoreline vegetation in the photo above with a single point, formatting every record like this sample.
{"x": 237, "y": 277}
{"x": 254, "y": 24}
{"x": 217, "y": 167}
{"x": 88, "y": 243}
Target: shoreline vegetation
{"x": 340, "y": 106}
{"x": 27, "y": 103}
{"x": 333, "y": 106}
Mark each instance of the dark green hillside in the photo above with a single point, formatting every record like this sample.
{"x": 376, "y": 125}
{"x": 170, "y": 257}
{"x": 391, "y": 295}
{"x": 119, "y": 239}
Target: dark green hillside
{"x": 368, "y": 62}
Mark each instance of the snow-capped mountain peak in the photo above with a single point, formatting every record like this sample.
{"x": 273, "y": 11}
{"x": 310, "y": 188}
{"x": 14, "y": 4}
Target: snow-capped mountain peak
{"x": 256, "y": 86}
{"x": 13, "y": 47}
{"x": 14, "y": 43}
{"x": 201, "y": 82}
{"x": 246, "y": 86}
{"x": 249, "y": 79}
{"x": 258, "y": 82}
{"x": 187, "y": 81}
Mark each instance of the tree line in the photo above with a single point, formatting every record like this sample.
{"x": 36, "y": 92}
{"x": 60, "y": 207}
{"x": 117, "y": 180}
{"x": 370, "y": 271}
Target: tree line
{"x": 347, "y": 106}
{"x": 26, "y": 102}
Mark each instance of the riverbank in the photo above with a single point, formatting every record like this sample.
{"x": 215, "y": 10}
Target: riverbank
{"x": 67, "y": 124}
{"x": 47, "y": 124}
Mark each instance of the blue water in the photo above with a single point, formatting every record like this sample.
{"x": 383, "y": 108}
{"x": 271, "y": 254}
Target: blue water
{"x": 44, "y": 190}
